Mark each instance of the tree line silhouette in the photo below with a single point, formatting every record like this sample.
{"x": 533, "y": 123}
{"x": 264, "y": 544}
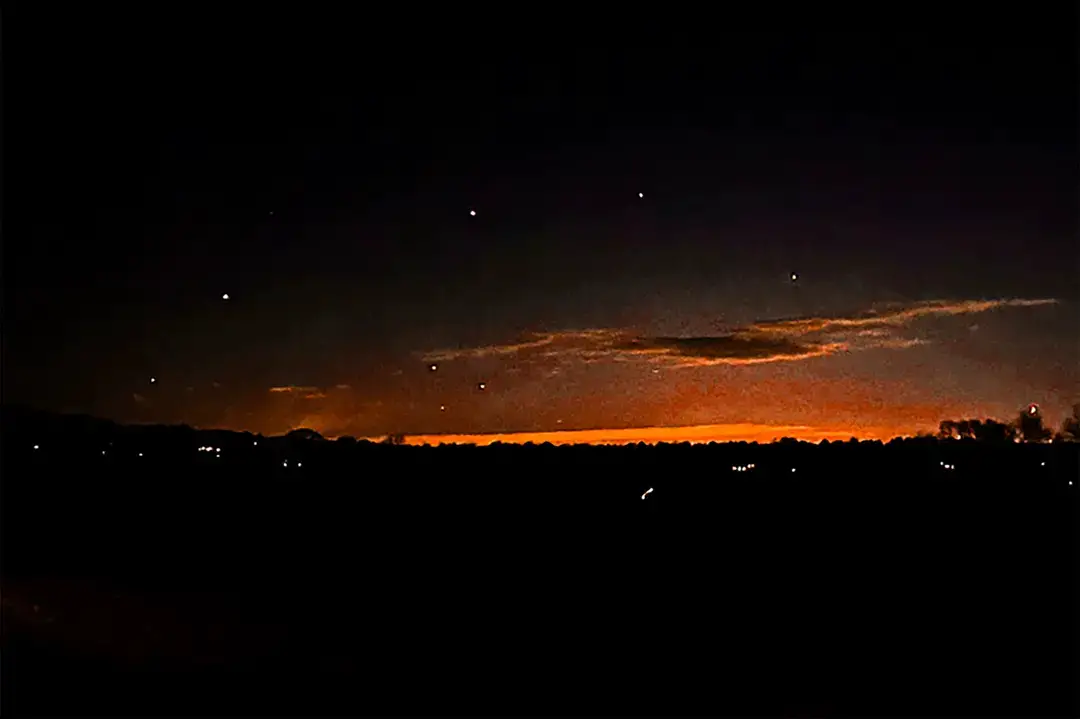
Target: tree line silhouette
{"x": 333, "y": 564}
{"x": 1028, "y": 426}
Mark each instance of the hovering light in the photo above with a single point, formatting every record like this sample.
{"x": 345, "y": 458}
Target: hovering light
{"x": 482, "y": 385}
{"x": 255, "y": 443}
{"x": 1033, "y": 409}
{"x": 433, "y": 367}
{"x": 285, "y": 463}
{"x": 794, "y": 276}
{"x": 641, "y": 194}
{"x": 271, "y": 213}
{"x": 153, "y": 380}
{"x": 646, "y": 493}
{"x": 225, "y": 296}
{"x": 140, "y": 454}
{"x": 472, "y": 213}
{"x": 299, "y": 464}
{"x": 792, "y": 469}
{"x": 103, "y": 453}
{"x": 1042, "y": 464}
{"x": 442, "y": 407}
{"x": 37, "y": 446}
{"x": 1070, "y": 482}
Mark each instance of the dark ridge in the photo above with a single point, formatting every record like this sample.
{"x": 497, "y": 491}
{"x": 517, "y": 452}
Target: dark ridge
{"x": 915, "y": 576}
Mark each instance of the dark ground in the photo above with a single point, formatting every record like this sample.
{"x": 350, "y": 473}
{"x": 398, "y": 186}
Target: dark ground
{"x": 872, "y": 581}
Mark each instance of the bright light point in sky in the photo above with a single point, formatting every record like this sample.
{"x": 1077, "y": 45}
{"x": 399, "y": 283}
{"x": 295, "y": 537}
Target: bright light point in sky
{"x": 794, "y": 276}
{"x": 1032, "y": 409}
{"x": 153, "y": 380}
{"x": 140, "y": 454}
{"x": 472, "y": 213}
{"x": 225, "y": 296}
{"x": 792, "y": 469}
{"x": 482, "y": 386}
{"x": 641, "y": 194}
{"x": 36, "y": 447}
{"x": 646, "y": 493}
{"x": 442, "y": 407}
{"x": 1042, "y": 464}
{"x": 434, "y": 367}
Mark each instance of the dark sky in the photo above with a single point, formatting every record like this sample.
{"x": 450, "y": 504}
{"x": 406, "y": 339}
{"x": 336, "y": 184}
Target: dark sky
{"x": 320, "y": 170}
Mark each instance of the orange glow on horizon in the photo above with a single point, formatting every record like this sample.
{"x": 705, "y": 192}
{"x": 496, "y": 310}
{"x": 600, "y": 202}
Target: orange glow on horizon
{"x": 654, "y": 435}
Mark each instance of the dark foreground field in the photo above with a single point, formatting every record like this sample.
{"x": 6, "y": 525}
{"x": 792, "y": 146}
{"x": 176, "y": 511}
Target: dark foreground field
{"x": 871, "y": 580}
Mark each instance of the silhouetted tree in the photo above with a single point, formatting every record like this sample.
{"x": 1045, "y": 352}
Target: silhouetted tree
{"x": 1070, "y": 428}
{"x": 304, "y": 434}
{"x": 960, "y": 429}
{"x": 394, "y": 439}
{"x": 346, "y": 441}
{"x": 995, "y": 432}
{"x": 1030, "y": 425}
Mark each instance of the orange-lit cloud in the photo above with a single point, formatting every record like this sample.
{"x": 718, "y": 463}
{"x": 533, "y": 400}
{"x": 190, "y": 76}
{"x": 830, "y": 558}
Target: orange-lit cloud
{"x": 890, "y": 316}
{"x": 293, "y": 389}
{"x": 786, "y": 340}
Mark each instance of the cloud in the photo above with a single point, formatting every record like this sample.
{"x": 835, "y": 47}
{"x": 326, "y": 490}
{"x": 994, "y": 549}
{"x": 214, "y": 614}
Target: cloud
{"x": 734, "y": 348}
{"x": 547, "y": 344}
{"x": 891, "y": 316}
{"x": 784, "y": 340}
{"x": 307, "y": 392}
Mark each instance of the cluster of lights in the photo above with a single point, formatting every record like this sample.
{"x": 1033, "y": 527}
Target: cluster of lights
{"x": 947, "y": 466}
{"x": 286, "y": 464}
{"x": 742, "y": 467}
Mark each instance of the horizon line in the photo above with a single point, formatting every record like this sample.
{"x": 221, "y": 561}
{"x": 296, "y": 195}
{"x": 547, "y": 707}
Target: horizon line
{"x": 694, "y": 434}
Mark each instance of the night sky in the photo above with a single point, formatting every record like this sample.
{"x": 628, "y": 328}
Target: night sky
{"x": 641, "y": 203}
